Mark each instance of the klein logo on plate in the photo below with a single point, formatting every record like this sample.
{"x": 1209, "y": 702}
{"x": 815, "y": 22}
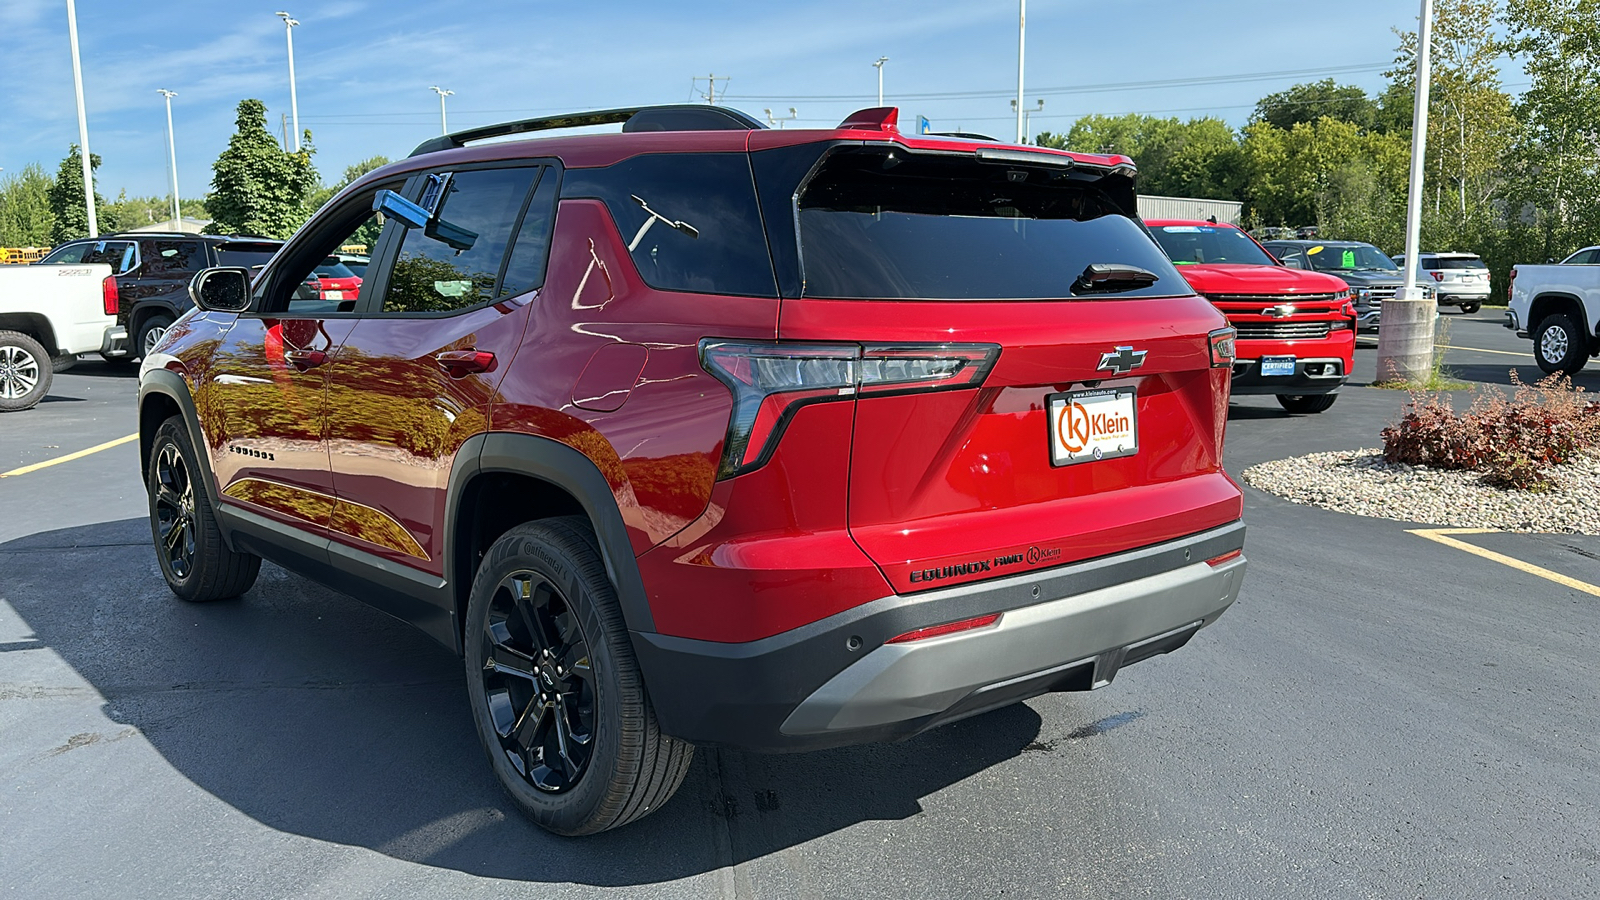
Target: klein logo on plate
{"x": 1091, "y": 425}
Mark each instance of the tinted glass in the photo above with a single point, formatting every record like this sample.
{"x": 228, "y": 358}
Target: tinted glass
{"x": 171, "y": 258}
{"x": 246, "y": 255}
{"x": 1454, "y": 262}
{"x": 1349, "y": 258}
{"x": 525, "y": 270}
{"x": 1582, "y": 258}
{"x": 70, "y": 254}
{"x": 454, "y": 261}
{"x": 1209, "y": 244}
{"x": 358, "y": 269}
{"x": 119, "y": 255}
{"x": 332, "y": 268}
{"x": 948, "y": 228}
{"x": 690, "y": 219}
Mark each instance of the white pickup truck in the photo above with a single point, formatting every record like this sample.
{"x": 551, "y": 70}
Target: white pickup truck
{"x": 1558, "y": 305}
{"x": 49, "y": 315}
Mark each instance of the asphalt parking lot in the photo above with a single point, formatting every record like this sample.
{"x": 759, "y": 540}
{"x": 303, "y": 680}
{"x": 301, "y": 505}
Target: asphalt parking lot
{"x": 1380, "y": 715}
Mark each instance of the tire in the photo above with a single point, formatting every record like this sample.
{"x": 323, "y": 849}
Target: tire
{"x": 63, "y": 363}
{"x": 25, "y": 371}
{"x": 542, "y": 612}
{"x": 1470, "y": 308}
{"x": 1559, "y": 345}
{"x": 1312, "y": 403}
{"x": 197, "y": 563}
{"x": 150, "y": 333}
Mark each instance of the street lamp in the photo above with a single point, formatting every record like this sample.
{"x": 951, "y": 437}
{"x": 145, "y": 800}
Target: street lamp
{"x": 1022, "y": 46}
{"x": 172, "y": 157}
{"x": 879, "y": 66}
{"x": 83, "y": 121}
{"x": 778, "y": 122}
{"x": 294, "y": 107}
{"x": 1027, "y": 117}
{"x": 443, "y": 128}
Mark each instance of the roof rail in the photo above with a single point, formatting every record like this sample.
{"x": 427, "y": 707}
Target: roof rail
{"x": 677, "y": 117}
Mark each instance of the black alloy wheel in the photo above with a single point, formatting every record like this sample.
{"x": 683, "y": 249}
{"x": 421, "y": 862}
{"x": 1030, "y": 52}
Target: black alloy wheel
{"x": 174, "y": 511}
{"x": 539, "y": 682}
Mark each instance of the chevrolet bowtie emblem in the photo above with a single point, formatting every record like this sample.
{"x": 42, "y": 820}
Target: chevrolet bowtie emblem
{"x": 1282, "y": 311}
{"x": 1123, "y": 361}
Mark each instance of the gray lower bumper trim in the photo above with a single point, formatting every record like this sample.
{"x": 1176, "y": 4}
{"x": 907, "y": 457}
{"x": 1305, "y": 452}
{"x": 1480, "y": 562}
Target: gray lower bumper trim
{"x": 899, "y": 682}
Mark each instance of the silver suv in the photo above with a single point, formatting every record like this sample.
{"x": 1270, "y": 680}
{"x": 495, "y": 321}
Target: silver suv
{"x": 1463, "y": 279}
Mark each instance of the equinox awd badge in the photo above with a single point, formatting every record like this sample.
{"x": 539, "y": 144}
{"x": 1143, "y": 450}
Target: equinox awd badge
{"x": 1122, "y": 361}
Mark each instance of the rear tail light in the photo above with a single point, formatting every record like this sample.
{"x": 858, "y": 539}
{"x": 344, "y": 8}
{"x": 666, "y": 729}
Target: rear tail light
{"x": 771, "y": 381}
{"x": 947, "y": 628}
{"x": 1512, "y": 283}
{"x": 1437, "y": 275}
{"x": 108, "y": 294}
{"x": 1223, "y": 352}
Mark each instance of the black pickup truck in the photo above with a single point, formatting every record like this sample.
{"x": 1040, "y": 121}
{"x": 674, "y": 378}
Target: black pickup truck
{"x": 153, "y": 271}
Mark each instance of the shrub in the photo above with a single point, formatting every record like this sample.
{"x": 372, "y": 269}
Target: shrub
{"x": 1513, "y": 442}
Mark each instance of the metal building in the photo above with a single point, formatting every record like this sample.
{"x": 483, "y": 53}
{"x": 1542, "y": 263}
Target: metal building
{"x": 1226, "y": 211}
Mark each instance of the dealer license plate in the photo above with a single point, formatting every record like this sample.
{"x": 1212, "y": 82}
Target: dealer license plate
{"x": 333, "y": 295}
{"x": 1277, "y": 365}
{"x": 1102, "y": 423}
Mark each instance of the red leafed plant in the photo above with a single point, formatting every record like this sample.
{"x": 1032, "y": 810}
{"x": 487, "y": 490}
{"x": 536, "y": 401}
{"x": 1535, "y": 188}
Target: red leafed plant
{"x": 1513, "y": 442}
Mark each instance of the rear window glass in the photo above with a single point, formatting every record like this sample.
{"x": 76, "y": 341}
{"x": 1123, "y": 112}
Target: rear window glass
{"x": 1209, "y": 245}
{"x": 246, "y": 255}
{"x": 332, "y": 268}
{"x": 690, "y": 220}
{"x": 882, "y": 225}
{"x": 1453, "y": 262}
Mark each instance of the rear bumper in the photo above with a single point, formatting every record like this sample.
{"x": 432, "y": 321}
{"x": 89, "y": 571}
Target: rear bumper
{"x": 1454, "y": 296}
{"x": 838, "y": 681}
{"x": 1313, "y": 375}
{"x": 114, "y": 342}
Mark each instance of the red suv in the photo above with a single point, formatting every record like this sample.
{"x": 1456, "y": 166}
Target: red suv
{"x": 709, "y": 433}
{"x": 1297, "y": 329}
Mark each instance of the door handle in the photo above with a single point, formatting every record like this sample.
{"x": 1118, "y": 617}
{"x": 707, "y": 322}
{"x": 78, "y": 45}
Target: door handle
{"x": 460, "y": 363}
{"x": 306, "y": 359}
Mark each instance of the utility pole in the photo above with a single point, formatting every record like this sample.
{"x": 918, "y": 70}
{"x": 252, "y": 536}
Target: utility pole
{"x": 1022, "y": 46}
{"x": 1027, "y": 119}
{"x": 294, "y": 105}
{"x": 778, "y": 122}
{"x": 443, "y": 128}
{"x": 879, "y": 66}
{"x": 172, "y": 158}
{"x": 83, "y": 121}
{"x": 711, "y": 89}
{"x": 1405, "y": 334}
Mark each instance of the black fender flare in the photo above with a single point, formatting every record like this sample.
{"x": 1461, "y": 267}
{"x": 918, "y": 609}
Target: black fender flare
{"x": 170, "y": 384}
{"x": 565, "y": 467}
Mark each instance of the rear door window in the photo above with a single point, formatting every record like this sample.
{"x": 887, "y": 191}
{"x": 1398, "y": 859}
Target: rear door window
{"x": 453, "y": 263}
{"x": 690, "y": 220}
{"x": 168, "y": 259}
{"x": 881, "y": 224}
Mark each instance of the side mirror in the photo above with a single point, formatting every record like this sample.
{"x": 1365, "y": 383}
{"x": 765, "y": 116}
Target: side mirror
{"x": 221, "y": 289}
{"x": 392, "y": 204}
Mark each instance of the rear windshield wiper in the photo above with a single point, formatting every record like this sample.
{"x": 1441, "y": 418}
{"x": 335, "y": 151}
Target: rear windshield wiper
{"x": 1112, "y": 278}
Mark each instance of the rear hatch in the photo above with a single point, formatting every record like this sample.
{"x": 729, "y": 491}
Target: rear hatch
{"x": 1096, "y": 422}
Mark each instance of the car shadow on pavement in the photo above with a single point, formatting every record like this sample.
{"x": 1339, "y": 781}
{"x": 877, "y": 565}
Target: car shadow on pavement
{"x": 1500, "y": 374}
{"x": 318, "y": 716}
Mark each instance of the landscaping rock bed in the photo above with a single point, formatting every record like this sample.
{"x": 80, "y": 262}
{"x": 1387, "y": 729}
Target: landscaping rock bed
{"x": 1360, "y": 482}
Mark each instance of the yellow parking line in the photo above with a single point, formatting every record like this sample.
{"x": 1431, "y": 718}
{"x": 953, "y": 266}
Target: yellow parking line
{"x": 69, "y": 457}
{"x": 1481, "y": 350}
{"x": 1441, "y": 536}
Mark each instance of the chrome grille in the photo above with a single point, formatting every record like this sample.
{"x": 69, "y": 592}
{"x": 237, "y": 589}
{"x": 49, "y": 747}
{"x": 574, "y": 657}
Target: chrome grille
{"x": 1271, "y": 299}
{"x": 1282, "y": 331}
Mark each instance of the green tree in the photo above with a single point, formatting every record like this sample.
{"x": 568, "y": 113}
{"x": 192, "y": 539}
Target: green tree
{"x": 257, "y": 187}
{"x": 1310, "y": 102}
{"x": 1553, "y": 159}
{"x": 67, "y": 203}
{"x": 1198, "y": 158}
{"x": 25, "y": 216}
{"x": 1330, "y": 173}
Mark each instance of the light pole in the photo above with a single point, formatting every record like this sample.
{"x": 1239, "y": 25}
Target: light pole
{"x": 1027, "y": 118}
{"x": 83, "y": 121}
{"x": 294, "y": 106}
{"x": 172, "y": 157}
{"x": 879, "y": 66}
{"x": 1405, "y": 336}
{"x": 443, "y": 128}
{"x": 778, "y": 121}
{"x": 1022, "y": 46}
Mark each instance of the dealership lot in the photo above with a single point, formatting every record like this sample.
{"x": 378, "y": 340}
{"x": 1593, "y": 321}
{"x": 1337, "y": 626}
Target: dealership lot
{"x": 1380, "y": 715}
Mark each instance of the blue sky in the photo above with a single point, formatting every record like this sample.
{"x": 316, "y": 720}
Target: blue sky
{"x": 363, "y": 67}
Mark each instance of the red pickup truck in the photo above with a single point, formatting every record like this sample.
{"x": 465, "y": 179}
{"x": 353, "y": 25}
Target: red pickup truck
{"x": 1297, "y": 329}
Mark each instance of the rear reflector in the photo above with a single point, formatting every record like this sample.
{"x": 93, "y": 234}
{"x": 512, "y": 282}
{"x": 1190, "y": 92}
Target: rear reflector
{"x": 1230, "y": 556}
{"x": 947, "y": 628}
{"x": 108, "y": 295}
